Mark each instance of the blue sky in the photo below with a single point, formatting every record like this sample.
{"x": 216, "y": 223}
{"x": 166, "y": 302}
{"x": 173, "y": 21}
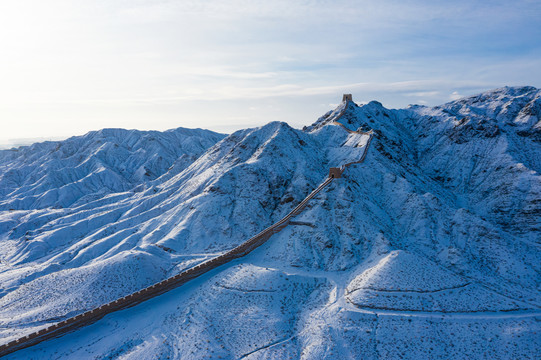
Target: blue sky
{"x": 71, "y": 66}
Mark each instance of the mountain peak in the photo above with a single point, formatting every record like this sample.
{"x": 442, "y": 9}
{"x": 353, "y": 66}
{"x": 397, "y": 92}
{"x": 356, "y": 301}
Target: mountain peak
{"x": 345, "y": 109}
{"x": 500, "y": 95}
{"x": 433, "y": 239}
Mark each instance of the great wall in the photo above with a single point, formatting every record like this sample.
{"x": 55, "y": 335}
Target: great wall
{"x": 91, "y": 316}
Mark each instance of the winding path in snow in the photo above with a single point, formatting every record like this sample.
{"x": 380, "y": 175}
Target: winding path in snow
{"x": 91, "y": 316}
{"x": 339, "y": 298}
{"x": 451, "y": 315}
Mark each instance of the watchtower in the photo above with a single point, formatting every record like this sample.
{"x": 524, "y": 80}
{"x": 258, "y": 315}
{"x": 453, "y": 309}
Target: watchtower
{"x": 335, "y": 173}
{"x": 347, "y": 97}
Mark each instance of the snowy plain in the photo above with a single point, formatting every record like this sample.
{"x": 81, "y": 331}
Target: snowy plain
{"x": 429, "y": 249}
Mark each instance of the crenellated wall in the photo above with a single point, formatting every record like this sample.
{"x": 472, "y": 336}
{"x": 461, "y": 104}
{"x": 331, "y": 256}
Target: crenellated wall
{"x": 166, "y": 285}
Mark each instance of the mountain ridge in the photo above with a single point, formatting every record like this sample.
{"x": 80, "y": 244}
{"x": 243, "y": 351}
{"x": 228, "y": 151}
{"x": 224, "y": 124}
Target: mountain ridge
{"x": 98, "y": 159}
{"x": 461, "y": 195}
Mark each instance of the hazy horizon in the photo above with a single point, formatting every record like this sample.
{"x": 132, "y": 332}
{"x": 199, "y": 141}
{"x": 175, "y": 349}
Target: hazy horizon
{"x": 16, "y": 142}
{"x": 73, "y": 66}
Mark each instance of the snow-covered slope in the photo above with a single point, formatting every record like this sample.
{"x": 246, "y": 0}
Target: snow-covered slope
{"x": 57, "y": 174}
{"x": 429, "y": 249}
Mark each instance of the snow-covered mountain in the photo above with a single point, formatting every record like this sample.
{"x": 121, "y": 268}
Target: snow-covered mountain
{"x": 60, "y": 173}
{"x": 429, "y": 249}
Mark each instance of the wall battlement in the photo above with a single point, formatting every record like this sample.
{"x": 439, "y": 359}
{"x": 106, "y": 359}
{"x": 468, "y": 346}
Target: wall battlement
{"x": 347, "y": 97}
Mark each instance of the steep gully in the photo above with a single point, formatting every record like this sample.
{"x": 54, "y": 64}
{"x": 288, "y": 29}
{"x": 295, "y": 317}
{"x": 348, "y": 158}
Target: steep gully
{"x": 91, "y": 316}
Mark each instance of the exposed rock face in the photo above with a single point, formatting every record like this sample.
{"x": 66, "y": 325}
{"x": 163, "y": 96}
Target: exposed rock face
{"x": 429, "y": 249}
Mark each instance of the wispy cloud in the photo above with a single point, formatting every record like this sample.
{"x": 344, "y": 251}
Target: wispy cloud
{"x": 113, "y": 58}
{"x": 455, "y": 95}
{"x": 420, "y": 88}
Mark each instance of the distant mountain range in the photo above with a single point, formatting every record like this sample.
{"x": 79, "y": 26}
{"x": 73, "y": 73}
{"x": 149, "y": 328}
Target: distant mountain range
{"x": 429, "y": 249}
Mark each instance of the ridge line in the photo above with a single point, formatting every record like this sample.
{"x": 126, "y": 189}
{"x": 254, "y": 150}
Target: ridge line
{"x": 91, "y": 316}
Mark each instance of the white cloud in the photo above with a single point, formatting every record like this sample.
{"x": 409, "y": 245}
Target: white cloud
{"x": 455, "y": 95}
{"x": 106, "y": 60}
